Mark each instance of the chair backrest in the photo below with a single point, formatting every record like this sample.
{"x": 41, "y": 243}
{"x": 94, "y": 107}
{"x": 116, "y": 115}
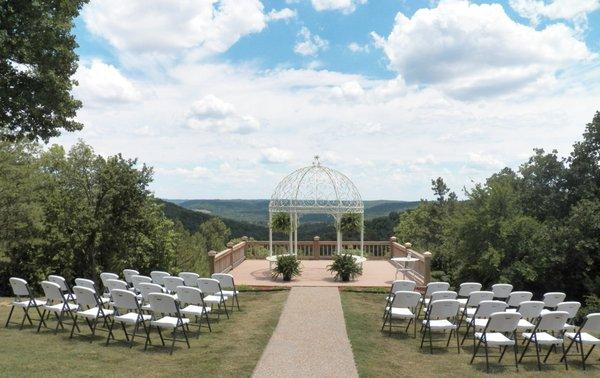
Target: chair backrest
{"x": 477, "y": 296}
{"x": 406, "y": 299}
{"x": 84, "y": 282}
{"x": 403, "y": 285}
{"x": 226, "y": 280}
{"x": 553, "y": 321}
{"x": 158, "y": 276}
{"x": 502, "y": 290}
{"x": 552, "y": 299}
{"x": 128, "y": 273}
{"x": 85, "y": 296}
{"x": 189, "y": 278}
{"x": 172, "y": 282}
{"x": 517, "y": 297}
{"x": 116, "y": 284}
{"x": 432, "y": 287}
{"x": 503, "y": 322}
{"x": 148, "y": 288}
{"x": 19, "y": 287}
{"x": 208, "y": 286}
{"x": 591, "y": 323}
{"x": 190, "y": 295}
{"x": 136, "y": 280}
{"x": 530, "y": 309}
{"x": 438, "y": 295}
{"x": 570, "y": 307}
{"x": 467, "y": 288}
{"x": 60, "y": 281}
{"x": 52, "y": 292}
{"x": 487, "y": 308}
{"x": 105, "y": 276}
{"x": 443, "y": 309}
{"x": 163, "y": 303}
{"x": 124, "y": 299}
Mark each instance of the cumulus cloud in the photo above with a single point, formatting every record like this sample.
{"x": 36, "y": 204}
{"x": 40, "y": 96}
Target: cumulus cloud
{"x": 356, "y": 48}
{"x": 167, "y": 27}
{"x": 274, "y": 155}
{"x": 189, "y": 173}
{"x": 572, "y": 10}
{"x": 350, "y": 90}
{"x": 309, "y": 44}
{"x": 282, "y": 14}
{"x": 471, "y": 50}
{"x": 213, "y": 114}
{"x": 485, "y": 160}
{"x": 103, "y": 83}
{"x": 345, "y": 6}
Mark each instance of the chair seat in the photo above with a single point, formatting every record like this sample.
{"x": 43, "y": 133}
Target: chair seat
{"x": 93, "y": 313}
{"x": 194, "y": 310}
{"x": 470, "y": 311}
{"x": 586, "y": 338}
{"x": 440, "y": 324}
{"x": 131, "y": 318}
{"x": 214, "y": 298}
{"x": 462, "y": 301}
{"x": 479, "y": 323}
{"x": 104, "y": 300}
{"x": 59, "y": 307}
{"x": 30, "y": 303}
{"x": 230, "y": 293}
{"x": 495, "y": 338}
{"x": 568, "y": 326}
{"x": 168, "y": 322}
{"x": 543, "y": 338}
{"x": 402, "y": 313}
{"x": 524, "y": 325}
{"x": 146, "y": 307}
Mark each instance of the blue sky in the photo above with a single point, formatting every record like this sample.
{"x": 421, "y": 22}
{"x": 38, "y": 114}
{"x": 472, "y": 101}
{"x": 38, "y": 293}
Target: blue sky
{"x": 223, "y": 98}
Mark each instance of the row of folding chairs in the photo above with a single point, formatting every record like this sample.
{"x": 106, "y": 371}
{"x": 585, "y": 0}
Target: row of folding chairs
{"x": 444, "y": 311}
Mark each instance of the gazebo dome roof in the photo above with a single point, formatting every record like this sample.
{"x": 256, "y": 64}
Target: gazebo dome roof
{"x": 316, "y": 189}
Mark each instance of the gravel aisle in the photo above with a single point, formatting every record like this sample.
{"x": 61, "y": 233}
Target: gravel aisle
{"x": 310, "y": 339}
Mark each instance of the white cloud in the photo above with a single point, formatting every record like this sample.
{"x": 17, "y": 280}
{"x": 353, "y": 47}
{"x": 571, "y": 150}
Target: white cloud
{"x": 282, "y": 14}
{"x": 103, "y": 83}
{"x": 274, "y": 155}
{"x": 572, "y": 10}
{"x": 356, "y": 48}
{"x": 471, "y": 50}
{"x": 188, "y": 173}
{"x": 485, "y": 160}
{"x": 350, "y": 90}
{"x": 213, "y": 114}
{"x": 346, "y": 6}
{"x": 309, "y": 44}
{"x": 164, "y": 27}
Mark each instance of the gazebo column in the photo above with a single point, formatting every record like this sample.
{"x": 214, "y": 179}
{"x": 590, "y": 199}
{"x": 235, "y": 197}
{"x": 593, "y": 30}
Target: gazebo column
{"x": 270, "y": 234}
{"x": 338, "y": 227}
{"x": 362, "y": 233}
{"x": 296, "y": 234}
{"x": 291, "y": 247}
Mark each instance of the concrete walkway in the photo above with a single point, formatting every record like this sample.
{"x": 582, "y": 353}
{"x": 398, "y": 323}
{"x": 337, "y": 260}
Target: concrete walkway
{"x": 310, "y": 339}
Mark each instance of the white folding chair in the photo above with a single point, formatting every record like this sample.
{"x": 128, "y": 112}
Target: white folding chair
{"x": 127, "y": 312}
{"x": 431, "y": 288}
{"x": 588, "y": 334}
{"x": 397, "y": 285}
{"x": 502, "y": 291}
{"x": 442, "y": 315}
{"x": 517, "y": 297}
{"x": 64, "y": 286}
{"x": 189, "y": 278}
{"x": 128, "y": 273}
{"x": 137, "y": 279}
{"x": 116, "y": 284}
{"x": 530, "y": 312}
{"x": 172, "y": 283}
{"x": 191, "y": 297}
{"x": 90, "y": 308}
{"x": 24, "y": 299}
{"x": 213, "y": 294}
{"x": 482, "y": 315}
{"x": 544, "y": 333}
{"x": 403, "y": 306}
{"x": 158, "y": 277}
{"x": 84, "y": 282}
{"x": 166, "y": 315}
{"x": 105, "y": 276}
{"x": 551, "y": 300}
{"x": 465, "y": 289}
{"x": 228, "y": 284}
{"x": 56, "y": 303}
{"x": 571, "y": 308}
{"x": 145, "y": 290}
{"x": 500, "y": 331}
{"x": 473, "y": 301}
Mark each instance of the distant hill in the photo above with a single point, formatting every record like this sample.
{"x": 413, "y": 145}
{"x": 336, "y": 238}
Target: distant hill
{"x": 256, "y": 211}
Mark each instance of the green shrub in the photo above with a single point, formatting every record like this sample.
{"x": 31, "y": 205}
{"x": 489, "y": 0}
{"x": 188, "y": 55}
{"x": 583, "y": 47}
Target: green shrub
{"x": 281, "y": 222}
{"x": 288, "y": 266}
{"x": 345, "y": 267}
{"x": 350, "y": 223}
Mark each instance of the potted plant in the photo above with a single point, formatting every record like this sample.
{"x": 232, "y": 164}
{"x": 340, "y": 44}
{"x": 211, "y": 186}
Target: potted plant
{"x": 349, "y": 223}
{"x": 281, "y": 222}
{"x": 345, "y": 267}
{"x": 288, "y": 266}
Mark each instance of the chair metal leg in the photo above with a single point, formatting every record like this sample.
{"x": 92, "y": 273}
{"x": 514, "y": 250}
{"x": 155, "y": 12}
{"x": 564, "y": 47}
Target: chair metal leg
{"x": 487, "y": 361}
{"x": 537, "y": 354}
{"x": 42, "y": 321}
{"x": 41, "y": 317}
{"x": 430, "y": 340}
{"x": 9, "y": 316}
{"x": 125, "y": 331}
{"x": 515, "y": 347}
{"x": 110, "y": 329}
{"x": 186, "y": 337}
{"x": 172, "y": 341}
{"x": 238, "y": 302}
{"x": 133, "y": 336}
{"x": 162, "y": 340}
{"x": 549, "y": 351}
{"x": 582, "y": 358}
{"x": 73, "y": 328}
{"x": 475, "y": 350}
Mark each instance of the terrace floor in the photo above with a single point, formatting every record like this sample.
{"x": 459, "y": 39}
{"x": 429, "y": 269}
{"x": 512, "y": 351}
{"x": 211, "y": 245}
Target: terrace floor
{"x": 376, "y": 273}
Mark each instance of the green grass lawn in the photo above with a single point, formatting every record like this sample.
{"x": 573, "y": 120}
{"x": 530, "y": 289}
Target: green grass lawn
{"x": 232, "y": 349}
{"x": 378, "y": 355}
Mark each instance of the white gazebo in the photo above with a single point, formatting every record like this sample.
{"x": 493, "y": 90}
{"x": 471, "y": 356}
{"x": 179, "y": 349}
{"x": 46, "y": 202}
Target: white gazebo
{"x": 315, "y": 189}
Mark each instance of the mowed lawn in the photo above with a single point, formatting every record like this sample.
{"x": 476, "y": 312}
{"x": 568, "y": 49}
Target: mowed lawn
{"x": 232, "y": 349}
{"x": 378, "y": 355}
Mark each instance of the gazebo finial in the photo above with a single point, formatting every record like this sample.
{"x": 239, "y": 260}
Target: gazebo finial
{"x": 316, "y": 162}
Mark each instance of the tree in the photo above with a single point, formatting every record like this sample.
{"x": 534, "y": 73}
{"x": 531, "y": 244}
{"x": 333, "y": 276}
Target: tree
{"x": 37, "y": 62}
{"x": 215, "y": 234}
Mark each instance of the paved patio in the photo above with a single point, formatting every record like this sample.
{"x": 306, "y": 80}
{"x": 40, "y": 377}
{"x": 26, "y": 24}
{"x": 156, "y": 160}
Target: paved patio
{"x": 314, "y": 273}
